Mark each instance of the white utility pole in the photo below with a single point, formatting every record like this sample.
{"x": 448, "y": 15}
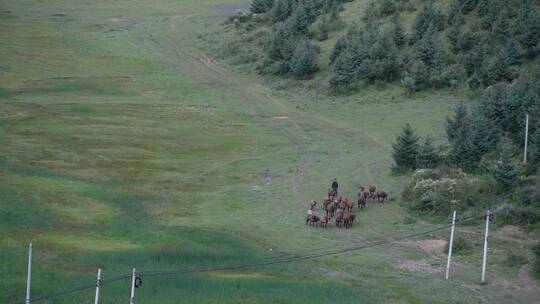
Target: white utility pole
{"x": 133, "y": 276}
{"x": 485, "y": 248}
{"x": 450, "y": 245}
{"x": 29, "y": 274}
{"x": 98, "y": 284}
{"x": 526, "y": 138}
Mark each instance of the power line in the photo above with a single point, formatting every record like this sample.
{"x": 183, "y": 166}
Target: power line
{"x": 287, "y": 258}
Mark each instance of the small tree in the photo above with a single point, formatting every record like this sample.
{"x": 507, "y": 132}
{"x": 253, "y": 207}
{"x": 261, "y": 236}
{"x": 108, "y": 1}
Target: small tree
{"x": 398, "y": 33}
{"x": 534, "y": 147}
{"x": 427, "y": 154}
{"x": 405, "y": 150}
{"x": 408, "y": 83}
{"x": 504, "y": 171}
{"x": 322, "y": 29}
{"x": 261, "y": 6}
{"x": 388, "y": 7}
{"x": 304, "y": 60}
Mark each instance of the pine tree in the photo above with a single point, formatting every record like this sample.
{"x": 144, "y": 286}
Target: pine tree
{"x": 339, "y": 47}
{"x": 454, "y": 30}
{"x": 455, "y": 9}
{"x": 408, "y": 83}
{"x": 322, "y": 29}
{"x": 344, "y": 69}
{"x": 513, "y": 52}
{"x": 282, "y": 9}
{"x": 282, "y": 44}
{"x": 304, "y": 60}
{"x": 468, "y": 6}
{"x": 504, "y": 171}
{"x": 405, "y": 150}
{"x": 473, "y": 61}
{"x": 534, "y": 147}
{"x": 261, "y": 6}
{"x": 457, "y": 123}
{"x": 483, "y": 136}
{"x": 495, "y": 69}
{"x": 388, "y": 7}
{"x": 427, "y": 155}
{"x": 528, "y": 27}
{"x": 482, "y": 8}
{"x": 398, "y": 33}
{"x": 474, "y": 82}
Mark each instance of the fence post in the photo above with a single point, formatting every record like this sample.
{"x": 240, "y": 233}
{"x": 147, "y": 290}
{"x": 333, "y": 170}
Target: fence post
{"x": 132, "y": 299}
{"x": 526, "y": 139}
{"x": 484, "y": 262}
{"x": 29, "y": 274}
{"x": 450, "y": 244}
{"x": 98, "y": 284}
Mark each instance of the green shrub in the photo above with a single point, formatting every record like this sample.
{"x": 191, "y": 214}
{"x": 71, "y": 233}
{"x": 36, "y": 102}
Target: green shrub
{"x": 460, "y": 246}
{"x": 514, "y": 260}
{"x": 536, "y": 266}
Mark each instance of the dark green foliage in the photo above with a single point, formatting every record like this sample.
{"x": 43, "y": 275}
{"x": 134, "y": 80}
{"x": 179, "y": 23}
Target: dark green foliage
{"x": 282, "y": 44}
{"x": 339, "y": 47}
{"x": 304, "y": 60}
{"x": 534, "y": 147}
{"x": 261, "y": 6}
{"x": 494, "y": 9}
{"x": 504, "y": 171}
{"x": 282, "y": 9}
{"x": 453, "y": 32}
{"x": 387, "y": 7}
{"x": 520, "y": 215}
{"x": 428, "y": 15}
{"x": 536, "y": 265}
{"x": 473, "y": 61}
{"x": 457, "y": 128}
{"x": 496, "y": 69}
{"x": 528, "y": 27}
{"x": 321, "y": 33}
{"x": 513, "y": 52}
{"x": 482, "y": 8}
{"x": 482, "y": 138}
{"x": 430, "y": 52}
{"x": 468, "y": 6}
{"x": 474, "y": 82}
{"x": 405, "y": 150}
{"x": 365, "y": 54}
{"x": 427, "y": 155}
{"x": 455, "y": 9}
{"x": 461, "y": 246}
{"x": 398, "y": 33}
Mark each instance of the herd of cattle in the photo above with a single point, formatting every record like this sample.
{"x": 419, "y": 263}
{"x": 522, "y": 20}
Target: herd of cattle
{"x": 339, "y": 209}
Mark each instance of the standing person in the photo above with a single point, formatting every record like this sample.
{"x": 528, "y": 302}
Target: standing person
{"x": 335, "y": 185}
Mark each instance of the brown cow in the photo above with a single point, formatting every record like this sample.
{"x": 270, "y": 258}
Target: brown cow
{"x": 330, "y": 209}
{"x": 349, "y": 205}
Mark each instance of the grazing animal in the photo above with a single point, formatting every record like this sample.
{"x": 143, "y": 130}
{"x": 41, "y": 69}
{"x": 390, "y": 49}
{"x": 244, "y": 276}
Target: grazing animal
{"x": 325, "y": 220}
{"x": 312, "y": 220}
{"x": 332, "y": 193}
{"x": 348, "y": 219}
{"x": 330, "y": 209}
{"x": 372, "y": 190}
{"x": 381, "y": 196}
{"x": 349, "y": 205}
{"x": 339, "y": 218}
{"x": 362, "y": 199}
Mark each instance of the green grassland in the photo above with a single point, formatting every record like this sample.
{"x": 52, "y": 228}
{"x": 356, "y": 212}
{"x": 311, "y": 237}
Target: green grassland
{"x": 124, "y": 144}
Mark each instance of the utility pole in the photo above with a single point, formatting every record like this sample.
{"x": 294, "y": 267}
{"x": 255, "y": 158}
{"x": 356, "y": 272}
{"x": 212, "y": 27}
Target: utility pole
{"x": 29, "y": 274}
{"x": 450, "y": 245}
{"x": 526, "y": 138}
{"x": 485, "y": 248}
{"x": 133, "y": 276}
{"x": 98, "y": 284}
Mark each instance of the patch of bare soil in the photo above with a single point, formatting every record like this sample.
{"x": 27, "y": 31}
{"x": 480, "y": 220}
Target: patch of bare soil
{"x": 417, "y": 266}
{"x": 280, "y": 117}
{"x": 527, "y": 281}
{"x": 118, "y": 19}
{"x": 429, "y": 246}
{"x": 510, "y": 231}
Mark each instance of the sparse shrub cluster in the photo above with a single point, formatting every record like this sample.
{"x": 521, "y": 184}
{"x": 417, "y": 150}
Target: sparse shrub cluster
{"x": 461, "y": 246}
{"x": 439, "y": 191}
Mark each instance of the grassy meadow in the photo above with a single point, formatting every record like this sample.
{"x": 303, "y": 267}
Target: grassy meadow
{"x": 123, "y": 144}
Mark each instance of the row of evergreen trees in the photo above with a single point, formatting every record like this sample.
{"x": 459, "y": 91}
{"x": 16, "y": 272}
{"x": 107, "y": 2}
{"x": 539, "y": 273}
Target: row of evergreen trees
{"x": 440, "y": 49}
{"x": 289, "y": 49}
{"x": 483, "y": 139}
